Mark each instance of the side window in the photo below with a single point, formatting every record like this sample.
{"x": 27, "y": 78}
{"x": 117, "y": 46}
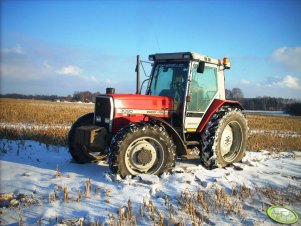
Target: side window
{"x": 203, "y": 88}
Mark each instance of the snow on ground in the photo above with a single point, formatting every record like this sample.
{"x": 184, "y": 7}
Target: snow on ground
{"x": 40, "y": 185}
{"x": 278, "y": 133}
{"x": 32, "y": 126}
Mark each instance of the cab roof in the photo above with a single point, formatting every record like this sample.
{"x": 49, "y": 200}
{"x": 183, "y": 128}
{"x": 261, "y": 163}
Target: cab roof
{"x": 183, "y": 56}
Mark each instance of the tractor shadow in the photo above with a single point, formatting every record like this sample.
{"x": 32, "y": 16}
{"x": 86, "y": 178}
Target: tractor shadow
{"x": 192, "y": 161}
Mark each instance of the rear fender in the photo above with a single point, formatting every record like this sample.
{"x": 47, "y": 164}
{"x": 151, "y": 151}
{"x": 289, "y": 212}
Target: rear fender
{"x": 181, "y": 147}
{"x": 216, "y": 104}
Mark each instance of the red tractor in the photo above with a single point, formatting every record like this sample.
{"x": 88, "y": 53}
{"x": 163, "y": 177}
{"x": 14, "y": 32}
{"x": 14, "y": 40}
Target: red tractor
{"x": 184, "y": 109}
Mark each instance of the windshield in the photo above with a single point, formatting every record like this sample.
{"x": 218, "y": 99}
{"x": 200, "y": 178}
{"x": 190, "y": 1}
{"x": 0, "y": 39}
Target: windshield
{"x": 169, "y": 79}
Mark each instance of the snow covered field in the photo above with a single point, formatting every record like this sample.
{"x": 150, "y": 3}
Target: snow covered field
{"x": 40, "y": 185}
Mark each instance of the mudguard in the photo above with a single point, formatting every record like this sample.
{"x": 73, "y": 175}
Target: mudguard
{"x": 181, "y": 147}
{"x": 216, "y": 104}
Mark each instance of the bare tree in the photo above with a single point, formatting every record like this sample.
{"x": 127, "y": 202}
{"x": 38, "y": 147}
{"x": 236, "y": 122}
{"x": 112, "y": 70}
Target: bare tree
{"x": 237, "y": 94}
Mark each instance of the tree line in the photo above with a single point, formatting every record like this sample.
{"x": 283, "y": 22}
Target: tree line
{"x": 82, "y": 96}
{"x": 266, "y": 103}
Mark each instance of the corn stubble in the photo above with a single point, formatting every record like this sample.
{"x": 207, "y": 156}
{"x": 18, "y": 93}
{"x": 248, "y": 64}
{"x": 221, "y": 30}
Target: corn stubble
{"x": 277, "y": 133}
{"x": 192, "y": 207}
{"x": 44, "y": 121}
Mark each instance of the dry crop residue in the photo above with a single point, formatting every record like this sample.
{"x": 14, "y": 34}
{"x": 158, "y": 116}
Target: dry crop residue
{"x": 274, "y": 133}
{"x": 44, "y": 121}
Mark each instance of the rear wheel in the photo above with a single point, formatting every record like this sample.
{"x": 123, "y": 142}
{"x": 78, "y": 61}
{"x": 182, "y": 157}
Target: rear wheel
{"x": 142, "y": 148}
{"x": 224, "y": 139}
{"x": 80, "y": 153}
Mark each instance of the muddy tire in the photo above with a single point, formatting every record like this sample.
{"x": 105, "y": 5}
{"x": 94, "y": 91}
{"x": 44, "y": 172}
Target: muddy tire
{"x": 224, "y": 139}
{"x": 142, "y": 147}
{"x": 78, "y": 152}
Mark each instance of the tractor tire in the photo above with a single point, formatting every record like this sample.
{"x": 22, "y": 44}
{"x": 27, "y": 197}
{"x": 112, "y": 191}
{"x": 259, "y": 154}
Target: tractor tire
{"x": 78, "y": 152}
{"x": 224, "y": 139}
{"x": 142, "y": 147}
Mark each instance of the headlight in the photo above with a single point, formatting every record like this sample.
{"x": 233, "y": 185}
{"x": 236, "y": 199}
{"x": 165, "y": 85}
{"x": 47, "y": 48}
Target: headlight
{"x": 107, "y": 120}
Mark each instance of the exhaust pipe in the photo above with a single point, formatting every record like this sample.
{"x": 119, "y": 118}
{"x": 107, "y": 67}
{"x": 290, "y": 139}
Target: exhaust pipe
{"x": 110, "y": 90}
{"x": 138, "y": 75}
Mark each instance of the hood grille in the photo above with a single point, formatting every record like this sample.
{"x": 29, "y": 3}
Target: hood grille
{"x": 104, "y": 112}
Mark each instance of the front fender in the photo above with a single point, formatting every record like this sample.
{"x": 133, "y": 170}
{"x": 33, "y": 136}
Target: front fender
{"x": 216, "y": 104}
{"x": 180, "y": 145}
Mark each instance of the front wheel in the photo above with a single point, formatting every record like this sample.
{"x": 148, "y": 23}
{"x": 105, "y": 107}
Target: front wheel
{"x": 224, "y": 139}
{"x": 142, "y": 148}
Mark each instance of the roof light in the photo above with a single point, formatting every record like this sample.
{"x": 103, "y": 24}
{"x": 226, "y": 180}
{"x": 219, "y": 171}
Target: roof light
{"x": 226, "y": 63}
{"x": 151, "y": 58}
{"x": 186, "y": 56}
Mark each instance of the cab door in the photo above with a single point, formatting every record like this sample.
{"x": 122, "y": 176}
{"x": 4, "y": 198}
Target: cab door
{"x": 203, "y": 89}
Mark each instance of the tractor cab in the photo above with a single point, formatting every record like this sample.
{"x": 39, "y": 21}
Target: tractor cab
{"x": 192, "y": 80}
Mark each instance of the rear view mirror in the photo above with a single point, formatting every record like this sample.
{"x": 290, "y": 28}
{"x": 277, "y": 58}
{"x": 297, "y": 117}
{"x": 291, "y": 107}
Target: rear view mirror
{"x": 201, "y": 67}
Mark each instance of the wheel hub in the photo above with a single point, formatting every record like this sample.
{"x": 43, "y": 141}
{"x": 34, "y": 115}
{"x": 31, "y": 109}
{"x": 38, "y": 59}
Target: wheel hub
{"x": 144, "y": 156}
{"x": 226, "y": 140}
{"x": 141, "y": 156}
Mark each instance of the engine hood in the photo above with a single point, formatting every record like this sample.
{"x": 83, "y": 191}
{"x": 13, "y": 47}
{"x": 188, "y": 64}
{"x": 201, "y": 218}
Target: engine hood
{"x": 114, "y": 111}
{"x": 142, "y": 104}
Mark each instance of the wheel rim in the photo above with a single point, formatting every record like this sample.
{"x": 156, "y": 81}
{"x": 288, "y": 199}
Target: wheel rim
{"x": 226, "y": 140}
{"x": 144, "y": 155}
{"x": 231, "y": 141}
